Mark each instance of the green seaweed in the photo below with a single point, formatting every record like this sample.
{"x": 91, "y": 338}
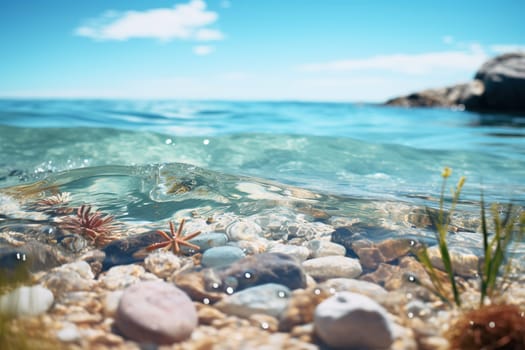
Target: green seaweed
{"x": 508, "y": 228}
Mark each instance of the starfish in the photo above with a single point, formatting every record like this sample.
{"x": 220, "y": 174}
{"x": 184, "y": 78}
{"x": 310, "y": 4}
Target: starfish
{"x": 176, "y": 239}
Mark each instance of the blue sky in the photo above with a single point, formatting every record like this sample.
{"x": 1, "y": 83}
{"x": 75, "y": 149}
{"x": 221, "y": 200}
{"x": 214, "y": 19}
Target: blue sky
{"x": 330, "y": 50}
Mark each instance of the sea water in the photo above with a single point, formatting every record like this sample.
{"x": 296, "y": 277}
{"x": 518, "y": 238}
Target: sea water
{"x": 150, "y": 161}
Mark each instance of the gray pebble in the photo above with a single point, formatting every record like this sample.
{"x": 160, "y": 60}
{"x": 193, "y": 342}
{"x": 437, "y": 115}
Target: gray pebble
{"x": 208, "y": 240}
{"x": 269, "y": 299}
{"x": 221, "y": 256}
{"x": 349, "y": 320}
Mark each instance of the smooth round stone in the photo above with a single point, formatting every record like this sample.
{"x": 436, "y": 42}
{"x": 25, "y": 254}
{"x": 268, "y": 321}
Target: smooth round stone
{"x": 243, "y": 230}
{"x": 299, "y": 252}
{"x": 26, "y": 301}
{"x": 332, "y": 267}
{"x": 349, "y": 320}
{"x": 269, "y": 299}
{"x": 372, "y": 290}
{"x": 209, "y": 240}
{"x": 319, "y": 248}
{"x": 155, "y": 312}
{"x": 221, "y": 256}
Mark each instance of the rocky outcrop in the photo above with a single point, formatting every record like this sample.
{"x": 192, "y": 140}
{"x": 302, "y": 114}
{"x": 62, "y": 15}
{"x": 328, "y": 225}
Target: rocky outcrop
{"x": 498, "y": 86}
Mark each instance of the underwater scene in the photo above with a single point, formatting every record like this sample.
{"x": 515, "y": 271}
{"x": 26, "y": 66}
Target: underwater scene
{"x": 249, "y": 217}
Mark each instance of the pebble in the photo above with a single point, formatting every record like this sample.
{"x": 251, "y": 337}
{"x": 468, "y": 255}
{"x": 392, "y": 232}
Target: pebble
{"x": 372, "y": 254}
{"x": 266, "y": 268}
{"x": 120, "y": 277}
{"x": 69, "y": 333}
{"x": 332, "y": 267}
{"x": 243, "y": 230}
{"x": 372, "y": 290}
{"x": 269, "y": 299}
{"x": 349, "y": 320}
{"x": 221, "y": 256}
{"x": 464, "y": 262}
{"x": 209, "y": 240}
{"x": 162, "y": 264}
{"x": 156, "y": 312}
{"x": 71, "y": 277}
{"x": 319, "y": 248}
{"x": 299, "y": 252}
{"x": 26, "y": 301}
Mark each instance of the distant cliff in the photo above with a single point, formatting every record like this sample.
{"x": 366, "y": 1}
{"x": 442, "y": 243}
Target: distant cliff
{"x": 498, "y": 86}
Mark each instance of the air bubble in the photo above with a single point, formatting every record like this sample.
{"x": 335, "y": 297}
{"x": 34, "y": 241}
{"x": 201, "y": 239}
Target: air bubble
{"x": 215, "y": 285}
{"x": 281, "y": 294}
{"x": 332, "y": 290}
{"x": 206, "y": 301}
{"x": 229, "y": 290}
{"x": 317, "y": 291}
{"x": 265, "y": 325}
{"x": 247, "y": 275}
{"x": 412, "y": 278}
{"x": 410, "y": 315}
{"x": 492, "y": 324}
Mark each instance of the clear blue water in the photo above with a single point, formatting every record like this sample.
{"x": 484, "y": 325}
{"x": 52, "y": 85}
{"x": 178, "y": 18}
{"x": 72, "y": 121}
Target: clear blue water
{"x": 248, "y": 157}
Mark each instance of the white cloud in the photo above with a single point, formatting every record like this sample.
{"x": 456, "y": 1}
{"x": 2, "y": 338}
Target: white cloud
{"x": 414, "y": 64}
{"x": 183, "y": 21}
{"x": 504, "y": 48}
{"x": 203, "y": 50}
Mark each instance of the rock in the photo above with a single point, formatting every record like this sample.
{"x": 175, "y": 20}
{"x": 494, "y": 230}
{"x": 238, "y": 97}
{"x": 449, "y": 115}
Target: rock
{"x": 299, "y": 252}
{"x": 221, "y": 256}
{"x": 71, "y": 277}
{"x": 371, "y": 290}
{"x": 349, "y": 320}
{"x": 265, "y": 268}
{"x": 120, "y": 277}
{"x": 332, "y": 267}
{"x": 155, "y": 312}
{"x": 26, "y": 301}
{"x": 243, "y": 230}
{"x": 444, "y": 97}
{"x": 162, "y": 264}
{"x": 372, "y": 254}
{"x": 319, "y": 248}
{"x": 504, "y": 80}
{"x": 464, "y": 262}
{"x": 203, "y": 286}
{"x": 498, "y": 86}
{"x": 269, "y": 299}
{"x": 208, "y": 240}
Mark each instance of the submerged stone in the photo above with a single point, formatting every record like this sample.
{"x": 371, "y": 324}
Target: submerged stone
{"x": 269, "y": 299}
{"x": 155, "y": 312}
{"x": 332, "y": 267}
{"x": 349, "y": 320}
{"x": 266, "y": 268}
{"x": 221, "y": 256}
{"x": 26, "y": 301}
